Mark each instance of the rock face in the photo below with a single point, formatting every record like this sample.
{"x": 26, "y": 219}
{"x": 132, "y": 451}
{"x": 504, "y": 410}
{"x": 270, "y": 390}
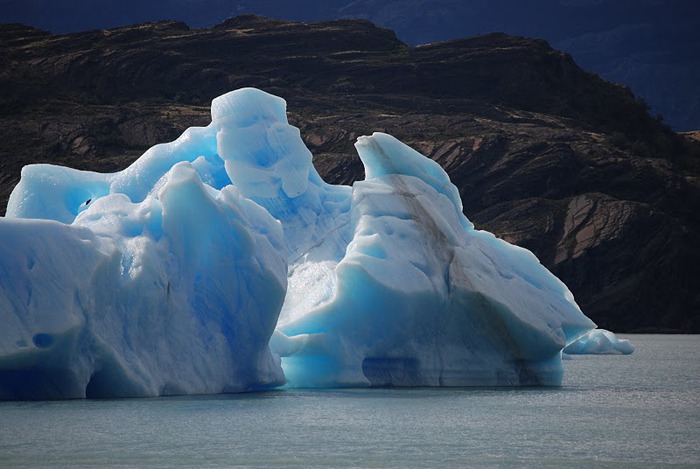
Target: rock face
{"x": 653, "y": 46}
{"x": 544, "y": 155}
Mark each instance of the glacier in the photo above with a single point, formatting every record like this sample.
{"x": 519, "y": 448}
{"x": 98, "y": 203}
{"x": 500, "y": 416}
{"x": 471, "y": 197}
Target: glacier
{"x": 222, "y": 262}
{"x": 599, "y": 342}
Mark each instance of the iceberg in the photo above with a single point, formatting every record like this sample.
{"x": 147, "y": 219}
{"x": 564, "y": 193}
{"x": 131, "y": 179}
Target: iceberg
{"x": 421, "y": 298}
{"x": 599, "y": 342}
{"x": 177, "y": 294}
{"x": 222, "y": 262}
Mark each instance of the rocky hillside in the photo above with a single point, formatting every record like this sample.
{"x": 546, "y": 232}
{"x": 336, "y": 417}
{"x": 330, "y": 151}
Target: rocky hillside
{"x": 652, "y": 46}
{"x": 544, "y": 154}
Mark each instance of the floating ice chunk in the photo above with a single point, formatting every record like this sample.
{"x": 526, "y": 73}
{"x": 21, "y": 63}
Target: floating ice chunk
{"x": 177, "y": 294}
{"x": 169, "y": 277}
{"x": 422, "y": 299}
{"x": 599, "y": 342}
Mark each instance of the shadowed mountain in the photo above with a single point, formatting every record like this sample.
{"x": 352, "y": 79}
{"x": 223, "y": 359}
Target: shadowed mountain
{"x": 545, "y": 155}
{"x": 652, "y": 46}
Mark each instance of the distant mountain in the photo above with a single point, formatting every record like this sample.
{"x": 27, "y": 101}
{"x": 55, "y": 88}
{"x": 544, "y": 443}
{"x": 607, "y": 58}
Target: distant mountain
{"x": 653, "y": 46}
{"x": 544, "y": 154}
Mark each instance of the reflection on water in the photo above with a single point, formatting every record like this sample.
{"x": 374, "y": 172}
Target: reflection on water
{"x": 637, "y": 409}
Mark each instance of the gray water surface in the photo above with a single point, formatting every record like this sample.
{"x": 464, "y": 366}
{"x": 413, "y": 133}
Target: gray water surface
{"x": 641, "y": 410}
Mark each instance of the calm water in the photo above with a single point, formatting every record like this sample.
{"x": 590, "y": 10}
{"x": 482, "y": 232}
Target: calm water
{"x": 634, "y": 411}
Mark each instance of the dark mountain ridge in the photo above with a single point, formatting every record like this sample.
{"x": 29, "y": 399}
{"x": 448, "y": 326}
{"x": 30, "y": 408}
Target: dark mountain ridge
{"x": 544, "y": 154}
{"x": 653, "y": 46}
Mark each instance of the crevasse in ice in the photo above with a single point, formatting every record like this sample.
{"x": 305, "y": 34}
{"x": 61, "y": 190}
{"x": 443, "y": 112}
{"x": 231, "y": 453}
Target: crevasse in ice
{"x": 179, "y": 274}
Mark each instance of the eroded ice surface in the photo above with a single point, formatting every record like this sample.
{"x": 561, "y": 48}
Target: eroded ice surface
{"x": 160, "y": 279}
{"x": 599, "y": 342}
{"x": 170, "y": 277}
{"x": 421, "y": 298}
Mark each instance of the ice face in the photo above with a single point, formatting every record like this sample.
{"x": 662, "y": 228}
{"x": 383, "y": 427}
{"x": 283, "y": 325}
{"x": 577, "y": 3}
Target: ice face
{"x": 423, "y": 299}
{"x": 177, "y": 294}
{"x": 264, "y": 155}
{"x": 269, "y": 163}
{"x": 599, "y": 342}
{"x": 172, "y": 290}
{"x": 58, "y": 193}
{"x": 179, "y": 274}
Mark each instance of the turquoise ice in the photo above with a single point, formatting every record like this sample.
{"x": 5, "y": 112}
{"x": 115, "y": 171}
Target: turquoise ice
{"x": 599, "y": 342}
{"x": 222, "y": 262}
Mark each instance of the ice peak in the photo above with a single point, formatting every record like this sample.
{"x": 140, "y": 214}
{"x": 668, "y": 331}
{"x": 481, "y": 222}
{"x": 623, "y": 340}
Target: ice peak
{"x": 383, "y": 154}
{"x": 263, "y": 154}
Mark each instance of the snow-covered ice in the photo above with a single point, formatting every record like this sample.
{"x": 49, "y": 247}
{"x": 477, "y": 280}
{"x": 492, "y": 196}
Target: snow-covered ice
{"x": 599, "y": 342}
{"x": 202, "y": 264}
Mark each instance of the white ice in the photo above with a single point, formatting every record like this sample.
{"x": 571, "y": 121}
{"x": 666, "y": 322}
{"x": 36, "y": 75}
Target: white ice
{"x": 599, "y": 342}
{"x": 170, "y": 277}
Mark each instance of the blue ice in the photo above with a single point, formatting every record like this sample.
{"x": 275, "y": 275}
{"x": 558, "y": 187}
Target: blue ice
{"x": 222, "y": 262}
{"x": 599, "y": 342}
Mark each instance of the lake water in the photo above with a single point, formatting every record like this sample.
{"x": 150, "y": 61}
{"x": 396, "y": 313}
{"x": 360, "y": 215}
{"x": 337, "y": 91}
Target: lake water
{"x": 641, "y": 410}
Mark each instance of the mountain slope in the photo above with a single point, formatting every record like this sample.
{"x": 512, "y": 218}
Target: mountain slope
{"x": 544, "y": 154}
{"x": 652, "y": 46}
